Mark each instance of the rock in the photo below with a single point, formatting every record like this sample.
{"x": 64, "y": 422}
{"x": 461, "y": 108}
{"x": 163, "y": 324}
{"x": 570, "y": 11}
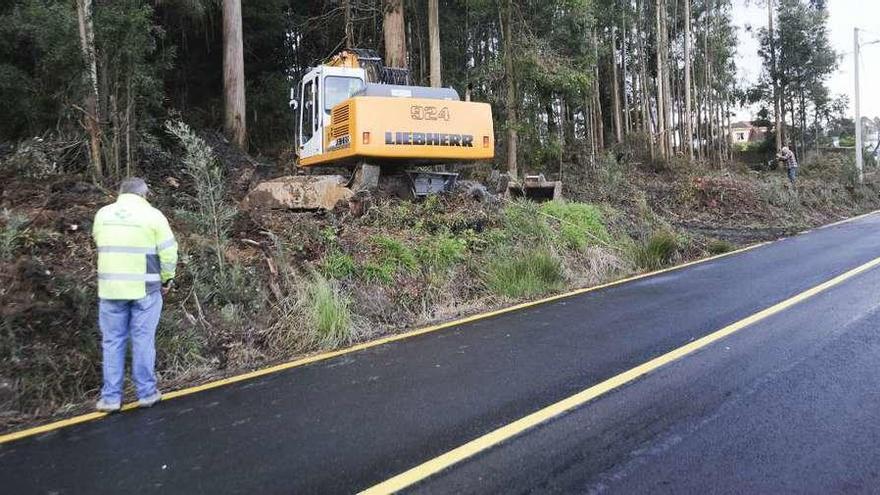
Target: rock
{"x": 300, "y": 192}
{"x": 360, "y": 203}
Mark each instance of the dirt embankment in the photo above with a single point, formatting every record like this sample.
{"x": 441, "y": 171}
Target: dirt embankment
{"x": 276, "y": 284}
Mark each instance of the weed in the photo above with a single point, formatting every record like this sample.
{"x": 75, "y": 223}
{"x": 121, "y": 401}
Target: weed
{"x": 524, "y": 274}
{"x": 612, "y": 176}
{"x": 523, "y": 222}
{"x": 658, "y": 252}
{"x": 180, "y": 345}
{"x": 580, "y": 224}
{"x": 394, "y": 253}
{"x": 378, "y": 273}
{"x": 337, "y": 264}
{"x": 719, "y": 246}
{"x": 778, "y": 192}
{"x": 329, "y": 313}
{"x": 441, "y": 251}
{"x": 238, "y": 285}
{"x": 11, "y": 233}
{"x": 38, "y": 238}
{"x": 328, "y": 235}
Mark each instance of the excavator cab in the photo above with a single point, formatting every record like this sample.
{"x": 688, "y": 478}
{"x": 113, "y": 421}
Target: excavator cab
{"x": 321, "y": 89}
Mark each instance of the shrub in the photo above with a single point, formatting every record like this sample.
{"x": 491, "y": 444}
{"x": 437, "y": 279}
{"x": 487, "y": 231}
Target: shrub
{"x": 11, "y": 233}
{"x": 658, "y": 252}
{"x": 580, "y": 224}
{"x": 181, "y": 345}
{"x": 612, "y": 176}
{"x": 776, "y": 191}
{"x": 329, "y": 313}
{"x": 719, "y": 246}
{"x": 527, "y": 273}
{"x": 210, "y": 214}
{"x": 238, "y": 285}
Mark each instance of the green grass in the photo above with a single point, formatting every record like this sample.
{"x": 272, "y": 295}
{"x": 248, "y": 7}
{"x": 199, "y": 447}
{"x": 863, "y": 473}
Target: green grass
{"x": 389, "y": 257}
{"x": 337, "y": 264}
{"x": 524, "y": 274}
{"x": 562, "y": 225}
{"x": 378, "y": 273}
{"x": 522, "y": 222}
{"x": 657, "y": 252}
{"x": 395, "y": 252}
{"x": 441, "y": 251}
{"x": 580, "y": 224}
{"x": 329, "y": 313}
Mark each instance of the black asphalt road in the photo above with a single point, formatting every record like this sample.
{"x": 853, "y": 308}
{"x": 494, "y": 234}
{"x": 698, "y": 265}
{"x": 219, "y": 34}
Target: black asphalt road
{"x": 787, "y": 405}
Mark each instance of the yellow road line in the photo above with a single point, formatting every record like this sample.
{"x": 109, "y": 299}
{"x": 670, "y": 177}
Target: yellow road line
{"x": 358, "y": 347}
{"x": 437, "y": 464}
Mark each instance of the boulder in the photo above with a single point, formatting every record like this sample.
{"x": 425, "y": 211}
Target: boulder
{"x": 299, "y": 192}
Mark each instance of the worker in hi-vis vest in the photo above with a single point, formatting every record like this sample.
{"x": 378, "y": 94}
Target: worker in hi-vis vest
{"x": 137, "y": 257}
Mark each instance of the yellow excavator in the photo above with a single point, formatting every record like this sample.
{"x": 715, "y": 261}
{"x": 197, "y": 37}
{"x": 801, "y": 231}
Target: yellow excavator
{"x": 355, "y": 112}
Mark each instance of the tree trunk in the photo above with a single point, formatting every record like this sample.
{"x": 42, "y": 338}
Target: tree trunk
{"x": 552, "y": 131}
{"x": 661, "y": 92}
{"x": 647, "y": 125}
{"x": 434, "y": 42}
{"x": 507, "y": 19}
{"x": 667, "y": 87}
{"x": 627, "y": 117}
{"x": 349, "y": 24}
{"x": 700, "y": 128}
{"x": 92, "y": 119}
{"x": 129, "y": 125}
{"x": 618, "y": 126}
{"x": 395, "y": 34}
{"x": 688, "y": 119}
{"x": 235, "y": 124}
{"x": 597, "y": 99}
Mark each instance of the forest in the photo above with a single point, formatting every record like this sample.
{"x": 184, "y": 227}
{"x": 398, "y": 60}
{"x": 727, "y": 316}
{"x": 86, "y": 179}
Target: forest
{"x": 567, "y": 79}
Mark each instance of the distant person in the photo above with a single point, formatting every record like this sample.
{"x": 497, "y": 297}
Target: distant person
{"x": 786, "y": 157}
{"x": 137, "y": 258}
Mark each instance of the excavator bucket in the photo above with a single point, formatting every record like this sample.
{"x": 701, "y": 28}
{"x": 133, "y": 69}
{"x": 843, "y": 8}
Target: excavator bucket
{"x": 535, "y": 188}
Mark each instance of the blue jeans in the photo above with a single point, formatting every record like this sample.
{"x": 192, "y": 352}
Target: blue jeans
{"x": 792, "y": 174}
{"x": 120, "y": 320}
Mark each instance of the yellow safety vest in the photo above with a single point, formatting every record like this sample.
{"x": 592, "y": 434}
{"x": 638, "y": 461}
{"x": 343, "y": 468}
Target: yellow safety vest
{"x": 137, "y": 251}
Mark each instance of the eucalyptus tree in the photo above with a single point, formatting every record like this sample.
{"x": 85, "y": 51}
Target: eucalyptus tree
{"x": 798, "y": 60}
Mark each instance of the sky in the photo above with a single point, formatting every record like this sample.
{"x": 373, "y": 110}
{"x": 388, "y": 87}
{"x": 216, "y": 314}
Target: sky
{"x": 844, "y": 16}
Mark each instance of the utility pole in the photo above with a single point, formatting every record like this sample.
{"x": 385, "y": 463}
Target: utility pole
{"x": 858, "y": 107}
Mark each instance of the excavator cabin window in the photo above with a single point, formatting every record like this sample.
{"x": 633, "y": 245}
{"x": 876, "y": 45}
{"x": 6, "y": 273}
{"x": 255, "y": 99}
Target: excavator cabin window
{"x": 307, "y": 128}
{"x": 338, "y": 89}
